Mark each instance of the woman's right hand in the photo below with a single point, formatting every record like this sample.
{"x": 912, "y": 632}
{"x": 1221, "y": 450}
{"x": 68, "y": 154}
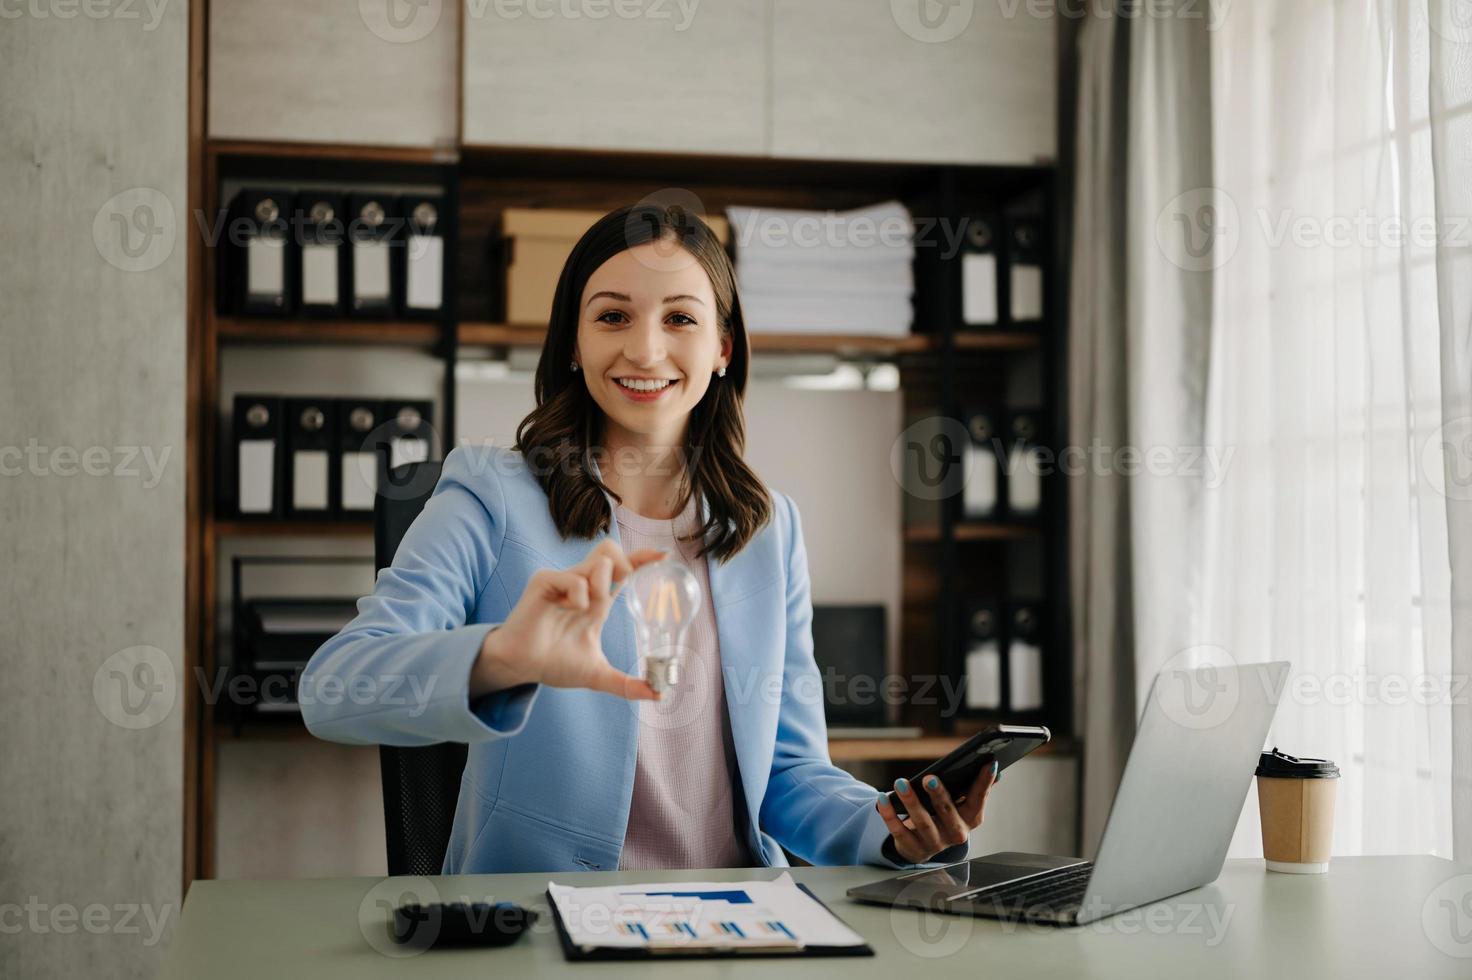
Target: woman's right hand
{"x": 553, "y": 635}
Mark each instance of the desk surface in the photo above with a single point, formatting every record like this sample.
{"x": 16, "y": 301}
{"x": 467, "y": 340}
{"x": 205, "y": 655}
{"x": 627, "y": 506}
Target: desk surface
{"x": 1369, "y": 917}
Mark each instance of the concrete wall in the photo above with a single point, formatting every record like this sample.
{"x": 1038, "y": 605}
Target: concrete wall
{"x": 92, "y": 408}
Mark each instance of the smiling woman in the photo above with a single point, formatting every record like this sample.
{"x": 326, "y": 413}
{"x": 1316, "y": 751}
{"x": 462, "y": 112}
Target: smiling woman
{"x": 646, "y": 310}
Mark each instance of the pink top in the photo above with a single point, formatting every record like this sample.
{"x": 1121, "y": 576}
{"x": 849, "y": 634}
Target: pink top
{"x": 683, "y": 810}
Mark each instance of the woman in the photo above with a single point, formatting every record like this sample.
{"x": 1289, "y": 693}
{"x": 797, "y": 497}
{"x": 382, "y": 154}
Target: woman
{"x": 499, "y": 612}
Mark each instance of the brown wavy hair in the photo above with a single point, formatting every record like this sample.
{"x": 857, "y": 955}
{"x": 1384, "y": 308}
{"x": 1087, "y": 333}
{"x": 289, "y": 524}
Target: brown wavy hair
{"x": 567, "y": 425}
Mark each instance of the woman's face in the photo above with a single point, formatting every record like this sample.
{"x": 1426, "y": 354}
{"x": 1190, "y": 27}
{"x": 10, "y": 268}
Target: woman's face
{"x": 648, "y": 342}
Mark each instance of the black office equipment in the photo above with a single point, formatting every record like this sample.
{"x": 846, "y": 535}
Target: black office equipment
{"x": 981, "y": 499}
{"x": 982, "y": 658}
{"x": 273, "y": 636}
{"x": 1026, "y": 260}
{"x": 259, "y": 255}
{"x": 421, "y": 784}
{"x": 356, "y": 449}
{"x": 459, "y": 925}
{"x": 980, "y": 270}
{"x": 321, "y": 254}
{"x": 424, "y": 254}
{"x": 373, "y": 232}
{"x": 276, "y": 639}
{"x": 848, "y": 646}
{"x": 959, "y": 768}
{"x": 259, "y": 435}
{"x": 310, "y": 474}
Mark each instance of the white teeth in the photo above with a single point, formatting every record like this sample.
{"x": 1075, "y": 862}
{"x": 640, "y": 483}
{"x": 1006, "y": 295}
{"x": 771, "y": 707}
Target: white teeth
{"x": 644, "y": 385}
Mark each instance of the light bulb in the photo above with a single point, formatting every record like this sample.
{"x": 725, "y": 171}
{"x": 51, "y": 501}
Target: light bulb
{"x": 664, "y": 598}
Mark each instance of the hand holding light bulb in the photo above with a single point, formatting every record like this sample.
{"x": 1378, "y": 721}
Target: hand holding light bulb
{"x": 554, "y": 633}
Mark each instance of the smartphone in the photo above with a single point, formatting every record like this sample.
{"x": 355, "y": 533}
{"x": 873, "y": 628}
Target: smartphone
{"x": 959, "y": 768}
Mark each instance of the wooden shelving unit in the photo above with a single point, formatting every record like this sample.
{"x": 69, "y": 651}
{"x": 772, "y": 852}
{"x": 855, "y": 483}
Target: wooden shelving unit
{"x": 213, "y": 335}
{"x": 938, "y": 368}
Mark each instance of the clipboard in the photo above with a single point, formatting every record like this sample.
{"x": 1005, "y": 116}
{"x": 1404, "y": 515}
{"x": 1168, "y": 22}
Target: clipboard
{"x": 575, "y": 953}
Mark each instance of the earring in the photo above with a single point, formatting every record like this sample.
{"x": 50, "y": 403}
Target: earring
{"x": 574, "y": 365}
{"x": 721, "y": 371}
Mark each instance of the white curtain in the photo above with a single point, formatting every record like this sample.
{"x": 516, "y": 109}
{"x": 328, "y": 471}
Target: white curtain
{"x": 1101, "y": 573}
{"x": 1140, "y": 333}
{"x": 1341, "y": 368}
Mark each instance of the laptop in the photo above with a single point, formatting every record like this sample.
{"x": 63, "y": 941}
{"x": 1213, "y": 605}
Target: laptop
{"x": 1183, "y": 788}
{"x": 848, "y": 645}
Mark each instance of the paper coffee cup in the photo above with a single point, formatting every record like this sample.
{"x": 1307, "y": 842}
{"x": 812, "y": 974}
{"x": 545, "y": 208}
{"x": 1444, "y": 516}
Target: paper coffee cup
{"x": 1295, "y": 798}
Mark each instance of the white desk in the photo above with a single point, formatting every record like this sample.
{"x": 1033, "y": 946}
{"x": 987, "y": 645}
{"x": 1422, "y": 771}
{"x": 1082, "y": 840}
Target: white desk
{"x": 1363, "y": 919}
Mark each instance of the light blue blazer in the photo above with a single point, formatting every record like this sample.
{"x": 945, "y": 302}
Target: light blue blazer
{"x": 550, "y": 772}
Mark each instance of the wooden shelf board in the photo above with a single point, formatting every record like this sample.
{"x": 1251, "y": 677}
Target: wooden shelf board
{"x": 685, "y": 169}
{"x": 501, "y": 335}
{"x": 973, "y": 531}
{"x": 231, "y": 528}
{"x": 995, "y": 340}
{"x": 512, "y": 335}
{"x": 397, "y": 333}
{"x": 923, "y": 749}
{"x": 424, "y": 334}
{"x": 332, "y": 151}
{"x": 839, "y": 343}
{"x": 927, "y": 748}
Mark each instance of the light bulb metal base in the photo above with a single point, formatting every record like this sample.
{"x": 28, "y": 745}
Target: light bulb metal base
{"x": 661, "y": 674}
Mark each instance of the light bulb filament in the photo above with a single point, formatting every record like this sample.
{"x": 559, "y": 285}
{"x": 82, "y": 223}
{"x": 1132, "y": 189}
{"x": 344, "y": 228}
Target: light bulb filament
{"x": 666, "y": 604}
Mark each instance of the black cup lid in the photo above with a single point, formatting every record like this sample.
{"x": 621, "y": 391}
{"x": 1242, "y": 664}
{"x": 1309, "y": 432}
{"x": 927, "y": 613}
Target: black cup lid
{"x": 1284, "y": 766}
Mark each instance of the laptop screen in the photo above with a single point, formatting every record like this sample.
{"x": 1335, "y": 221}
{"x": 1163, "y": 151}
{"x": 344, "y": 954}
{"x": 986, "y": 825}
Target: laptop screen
{"x": 848, "y": 645}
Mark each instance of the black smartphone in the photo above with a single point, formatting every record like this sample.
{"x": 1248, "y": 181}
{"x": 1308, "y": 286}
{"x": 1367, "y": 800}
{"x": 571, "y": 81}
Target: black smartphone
{"x": 449, "y": 925}
{"x": 959, "y": 768}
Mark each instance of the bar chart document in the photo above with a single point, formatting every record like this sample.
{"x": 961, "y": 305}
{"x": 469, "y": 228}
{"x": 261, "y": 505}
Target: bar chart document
{"x": 699, "y": 918}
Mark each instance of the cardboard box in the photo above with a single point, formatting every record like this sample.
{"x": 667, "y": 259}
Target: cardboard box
{"x": 539, "y": 242}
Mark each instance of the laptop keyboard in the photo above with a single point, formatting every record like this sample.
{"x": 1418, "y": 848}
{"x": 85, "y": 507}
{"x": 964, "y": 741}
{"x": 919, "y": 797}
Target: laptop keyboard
{"x": 1042, "y": 897}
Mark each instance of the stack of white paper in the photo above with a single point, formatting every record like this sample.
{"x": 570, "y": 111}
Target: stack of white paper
{"x": 846, "y": 272}
{"x": 698, "y": 916}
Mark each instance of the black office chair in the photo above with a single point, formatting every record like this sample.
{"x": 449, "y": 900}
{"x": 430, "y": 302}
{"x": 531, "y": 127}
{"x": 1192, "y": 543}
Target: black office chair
{"x": 420, "y": 785}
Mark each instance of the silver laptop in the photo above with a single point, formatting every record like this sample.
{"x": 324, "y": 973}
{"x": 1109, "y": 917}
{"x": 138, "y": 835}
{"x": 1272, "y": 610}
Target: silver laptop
{"x": 1178, "y": 802}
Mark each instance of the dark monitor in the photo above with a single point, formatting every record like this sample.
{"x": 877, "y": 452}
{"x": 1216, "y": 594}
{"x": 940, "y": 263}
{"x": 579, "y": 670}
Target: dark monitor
{"x": 848, "y": 644}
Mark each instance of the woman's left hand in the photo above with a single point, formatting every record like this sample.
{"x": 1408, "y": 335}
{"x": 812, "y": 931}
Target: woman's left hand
{"x": 921, "y": 835}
